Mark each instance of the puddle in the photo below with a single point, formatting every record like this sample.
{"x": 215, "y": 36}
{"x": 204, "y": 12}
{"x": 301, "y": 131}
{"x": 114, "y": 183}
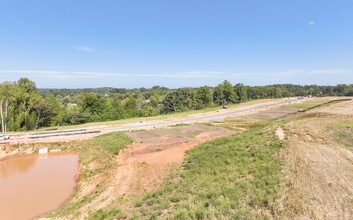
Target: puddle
{"x": 34, "y": 184}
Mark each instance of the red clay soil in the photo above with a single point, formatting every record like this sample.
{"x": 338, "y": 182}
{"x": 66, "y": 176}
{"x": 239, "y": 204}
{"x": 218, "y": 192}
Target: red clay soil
{"x": 143, "y": 167}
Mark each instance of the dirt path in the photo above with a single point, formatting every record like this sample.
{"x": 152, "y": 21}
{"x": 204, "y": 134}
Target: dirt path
{"x": 318, "y": 172}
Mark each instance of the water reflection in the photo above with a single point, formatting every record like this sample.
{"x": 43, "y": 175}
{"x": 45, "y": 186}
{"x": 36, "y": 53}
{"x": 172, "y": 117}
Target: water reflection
{"x": 32, "y": 185}
{"x": 19, "y": 165}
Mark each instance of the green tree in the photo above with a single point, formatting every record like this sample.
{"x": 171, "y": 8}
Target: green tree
{"x": 27, "y": 95}
{"x": 203, "y": 97}
{"x": 241, "y": 92}
{"x": 56, "y": 108}
{"x": 224, "y": 93}
{"x": 45, "y": 114}
{"x": 93, "y": 104}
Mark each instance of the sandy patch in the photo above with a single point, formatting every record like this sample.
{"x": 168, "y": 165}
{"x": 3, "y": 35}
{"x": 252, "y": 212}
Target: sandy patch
{"x": 280, "y": 133}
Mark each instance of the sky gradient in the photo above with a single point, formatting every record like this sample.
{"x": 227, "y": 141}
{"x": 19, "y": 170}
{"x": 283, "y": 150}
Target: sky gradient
{"x": 130, "y": 43}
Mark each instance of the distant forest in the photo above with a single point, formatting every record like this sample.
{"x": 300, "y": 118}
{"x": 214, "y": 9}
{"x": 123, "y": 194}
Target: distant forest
{"x": 24, "y": 107}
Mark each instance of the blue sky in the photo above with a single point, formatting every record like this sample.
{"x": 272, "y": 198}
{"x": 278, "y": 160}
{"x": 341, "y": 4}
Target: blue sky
{"x": 129, "y": 43}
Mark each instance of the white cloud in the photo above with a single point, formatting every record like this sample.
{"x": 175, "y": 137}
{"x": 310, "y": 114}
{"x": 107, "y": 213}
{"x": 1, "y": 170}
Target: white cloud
{"x": 93, "y": 50}
{"x": 311, "y": 22}
{"x": 190, "y": 74}
{"x": 204, "y": 72}
{"x": 328, "y": 71}
{"x": 85, "y": 49}
{"x": 32, "y": 71}
{"x": 291, "y": 73}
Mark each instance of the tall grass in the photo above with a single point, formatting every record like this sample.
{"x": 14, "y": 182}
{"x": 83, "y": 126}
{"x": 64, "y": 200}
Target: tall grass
{"x": 228, "y": 178}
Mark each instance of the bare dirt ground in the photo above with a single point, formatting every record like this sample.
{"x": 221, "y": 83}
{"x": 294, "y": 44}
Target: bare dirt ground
{"x": 318, "y": 171}
{"x": 154, "y": 155}
{"x": 280, "y": 133}
{"x": 144, "y": 165}
{"x": 270, "y": 114}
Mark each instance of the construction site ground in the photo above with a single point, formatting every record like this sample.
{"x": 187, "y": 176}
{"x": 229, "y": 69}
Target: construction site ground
{"x": 317, "y": 170}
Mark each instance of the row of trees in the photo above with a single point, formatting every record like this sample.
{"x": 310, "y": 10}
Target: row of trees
{"x": 25, "y": 107}
{"x": 225, "y": 93}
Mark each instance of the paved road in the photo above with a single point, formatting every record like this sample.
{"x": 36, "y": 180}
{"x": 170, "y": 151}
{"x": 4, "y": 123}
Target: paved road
{"x": 144, "y": 125}
{"x": 221, "y": 115}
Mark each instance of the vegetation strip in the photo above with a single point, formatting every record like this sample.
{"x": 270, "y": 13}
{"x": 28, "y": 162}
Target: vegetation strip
{"x": 327, "y": 103}
{"x": 343, "y": 133}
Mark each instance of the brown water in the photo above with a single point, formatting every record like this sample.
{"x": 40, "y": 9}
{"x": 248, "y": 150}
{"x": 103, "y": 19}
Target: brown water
{"x": 32, "y": 185}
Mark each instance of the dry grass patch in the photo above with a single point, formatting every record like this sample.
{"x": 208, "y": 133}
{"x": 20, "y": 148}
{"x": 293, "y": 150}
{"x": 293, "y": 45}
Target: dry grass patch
{"x": 318, "y": 171}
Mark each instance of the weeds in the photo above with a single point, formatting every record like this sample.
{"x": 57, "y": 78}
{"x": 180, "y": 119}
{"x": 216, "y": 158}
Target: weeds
{"x": 231, "y": 177}
{"x": 101, "y": 214}
{"x": 109, "y": 142}
{"x": 178, "y": 125}
{"x": 343, "y": 132}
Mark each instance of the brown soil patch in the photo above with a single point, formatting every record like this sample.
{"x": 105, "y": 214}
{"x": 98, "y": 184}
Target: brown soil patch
{"x": 145, "y": 165}
{"x": 270, "y": 114}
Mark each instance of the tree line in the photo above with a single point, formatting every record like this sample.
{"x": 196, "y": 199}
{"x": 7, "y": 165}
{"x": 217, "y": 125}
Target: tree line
{"x": 24, "y": 107}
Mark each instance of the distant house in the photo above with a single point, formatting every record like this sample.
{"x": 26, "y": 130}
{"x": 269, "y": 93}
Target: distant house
{"x": 106, "y": 95}
{"x": 73, "y": 104}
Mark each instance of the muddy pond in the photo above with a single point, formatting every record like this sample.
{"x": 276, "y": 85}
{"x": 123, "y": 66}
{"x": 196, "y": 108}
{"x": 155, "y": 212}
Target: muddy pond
{"x": 32, "y": 185}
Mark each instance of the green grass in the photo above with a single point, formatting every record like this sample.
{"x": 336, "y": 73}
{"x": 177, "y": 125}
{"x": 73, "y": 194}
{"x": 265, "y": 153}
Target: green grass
{"x": 244, "y": 124}
{"x": 235, "y": 177}
{"x": 346, "y": 124}
{"x": 304, "y": 105}
{"x": 343, "y": 133}
{"x": 178, "y": 125}
{"x": 110, "y": 143}
{"x": 106, "y": 215}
